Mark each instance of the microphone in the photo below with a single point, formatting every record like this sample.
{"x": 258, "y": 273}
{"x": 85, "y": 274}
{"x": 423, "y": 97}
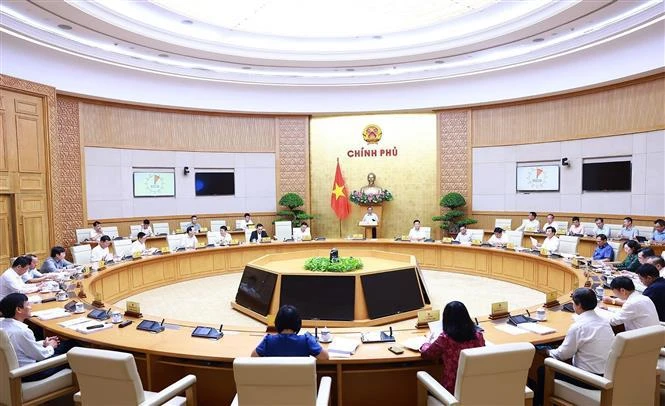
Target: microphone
{"x": 220, "y": 327}
{"x": 527, "y": 313}
{"x": 391, "y": 331}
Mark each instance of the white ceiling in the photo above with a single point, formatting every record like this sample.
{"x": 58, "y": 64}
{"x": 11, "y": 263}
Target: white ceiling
{"x": 323, "y": 43}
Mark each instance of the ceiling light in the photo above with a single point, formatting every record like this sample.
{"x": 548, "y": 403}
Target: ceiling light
{"x": 538, "y": 39}
{"x": 65, "y": 27}
{"x": 187, "y": 22}
{"x": 163, "y": 55}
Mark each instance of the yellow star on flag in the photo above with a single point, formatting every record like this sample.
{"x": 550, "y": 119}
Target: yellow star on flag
{"x": 338, "y": 191}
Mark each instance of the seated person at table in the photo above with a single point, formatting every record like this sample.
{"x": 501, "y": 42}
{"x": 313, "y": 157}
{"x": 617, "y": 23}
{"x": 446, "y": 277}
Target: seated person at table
{"x": 463, "y": 236}
{"x": 631, "y": 262}
{"x": 101, "y": 251}
{"x": 225, "y": 237}
{"x": 96, "y": 233}
{"x": 587, "y": 342}
{"x": 576, "y": 228}
{"x": 189, "y": 240}
{"x": 650, "y": 277}
{"x": 603, "y": 252}
{"x": 302, "y": 233}
{"x": 258, "y": 234}
{"x": 194, "y": 224}
{"x": 551, "y": 242}
{"x": 33, "y": 275}
{"x": 637, "y": 310}
{"x": 459, "y": 333}
{"x": 551, "y": 223}
{"x": 658, "y": 262}
{"x": 16, "y": 308}
{"x": 416, "y": 233}
{"x": 532, "y": 224}
{"x": 287, "y": 342}
{"x": 643, "y": 254}
{"x": 600, "y": 228}
{"x": 147, "y": 229}
{"x": 248, "y": 221}
{"x": 628, "y": 232}
{"x": 56, "y": 261}
{"x": 11, "y": 282}
{"x": 658, "y": 231}
{"x": 139, "y": 244}
{"x": 498, "y": 238}
{"x": 370, "y": 218}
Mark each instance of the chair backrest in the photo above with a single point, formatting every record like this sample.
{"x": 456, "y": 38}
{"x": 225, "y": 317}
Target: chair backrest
{"x": 515, "y": 237}
{"x": 81, "y": 253}
{"x": 106, "y": 377}
{"x": 506, "y": 224}
{"x": 494, "y": 375}
{"x": 588, "y": 228}
{"x": 240, "y": 224}
{"x": 275, "y": 380}
{"x": 427, "y": 231}
{"x": 174, "y": 241}
{"x": 476, "y": 233}
{"x": 631, "y": 363}
{"x": 645, "y": 231}
{"x": 111, "y": 231}
{"x": 216, "y": 224}
{"x": 562, "y": 227}
{"x": 8, "y": 362}
{"x": 184, "y": 225}
{"x": 615, "y": 230}
{"x": 83, "y": 234}
{"x": 122, "y": 247}
{"x": 160, "y": 228}
{"x": 248, "y": 233}
{"x": 615, "y": 247}
{"x": 568, "y": 244}
{"x": 213, "y": 237}
{"x": 135, "y": 229}
{"x": 283, "y": 230}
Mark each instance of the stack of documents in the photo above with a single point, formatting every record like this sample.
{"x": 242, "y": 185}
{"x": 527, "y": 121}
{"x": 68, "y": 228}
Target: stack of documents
{"x": 414, "y": 343}
{"x": 536, "y": 328}
{"x": 51, "y": 314}
{"x": 81, "y": 325}
{"x": 342, "y": 347}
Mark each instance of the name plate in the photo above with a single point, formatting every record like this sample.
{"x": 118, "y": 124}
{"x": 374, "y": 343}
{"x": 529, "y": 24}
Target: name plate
{"x": 446, "y": 240}
{"x": 550, "y": 296}
{"x": 476, "y": 242}
{"x": 133, "y": 307}
{"x": 499, "y": 308}
{"x": 426, "y": 316}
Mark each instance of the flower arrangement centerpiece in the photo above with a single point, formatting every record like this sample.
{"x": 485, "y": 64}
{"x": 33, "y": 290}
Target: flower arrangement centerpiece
{"x": 371, "y": 198}
{"x": 322, "y": 264}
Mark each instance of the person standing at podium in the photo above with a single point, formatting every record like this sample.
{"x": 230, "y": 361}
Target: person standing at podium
{"x": 371, "y": 218}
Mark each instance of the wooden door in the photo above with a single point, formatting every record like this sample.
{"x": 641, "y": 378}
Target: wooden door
{"x": 7, "y": 241}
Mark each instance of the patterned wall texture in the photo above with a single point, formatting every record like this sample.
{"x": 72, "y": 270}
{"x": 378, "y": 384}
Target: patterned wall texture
{"x": 293, "y": 157}
{"x": 67, "y": 179}
{"x": 454, "y": 153}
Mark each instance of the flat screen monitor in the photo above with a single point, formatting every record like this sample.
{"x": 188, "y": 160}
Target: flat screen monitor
{"x": 320, "y": 297}
{"x": 607, "y": 176}
{"x": 537, "y": 178}
{"x": 256, "y": 290}
{"x": 154, "y": 184}
{"x": 214, "y": 183}
{"x": 392, "y": 292}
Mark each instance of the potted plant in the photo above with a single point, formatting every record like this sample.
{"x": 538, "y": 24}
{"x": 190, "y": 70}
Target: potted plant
{"x": 292, "y": 201}
{"x": 454, "y": 218}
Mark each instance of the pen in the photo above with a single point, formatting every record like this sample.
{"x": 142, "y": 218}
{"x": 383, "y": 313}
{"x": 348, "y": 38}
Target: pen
{"x": 94, "y": 326}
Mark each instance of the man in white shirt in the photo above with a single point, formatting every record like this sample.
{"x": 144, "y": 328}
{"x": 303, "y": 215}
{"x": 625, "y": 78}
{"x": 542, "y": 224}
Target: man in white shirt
{"x": 226, "y": 238}
{"x": 189, "y": 240}
{"x": 101, "y": 251}
{"x": 302, "y": 233}
{"x": 139, "y": 244}
{"x": 551, "y": 242}
{"x": 531, "y": 224}
{"x": 551, "y": 223}
{"x": 637, "y": 310}
{"x": 416, "y": 234}
{"x": 10, "y": 280}
{"x": 194, "y": 224}
{"x": 463, "y": 236}
{"x": 147, "y": 229}
{"x": 587, "y": 341}
{"x": 600, "y": 228}
{"x": 96, "y": 232}
{"x": 498, "y": 238}
{"x": 628, "y": 232}
{"x": 32, "y": 275}
{"x": 16, "y": 308}
{"x": 248, "y": 221}
{"x": 370, "y": 218}
{"x": 576, "y": 228}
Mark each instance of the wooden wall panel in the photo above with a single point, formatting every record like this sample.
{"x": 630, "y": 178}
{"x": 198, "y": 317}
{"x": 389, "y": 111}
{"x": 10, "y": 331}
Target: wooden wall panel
{"x": 119, "y": 126}
{"x": 3, "y": 139}
{"x": 6, "y": 230}
{"x": 620, "y": 109}
{"x": 32, "y": 224}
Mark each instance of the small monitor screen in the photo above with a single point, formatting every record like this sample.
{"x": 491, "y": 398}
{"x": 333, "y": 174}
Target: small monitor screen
{"x": 154, "y": 184}
{"x": 256, "y": 290}
{"x": 607, "y": 176}
{"x": 392, "y": 292}
{"x": 214, "y": 183}
{"x": 320, "y": 297}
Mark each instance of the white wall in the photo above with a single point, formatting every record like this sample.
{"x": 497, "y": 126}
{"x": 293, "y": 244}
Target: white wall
{"x": 494, "y": 176}
{"x": 110, "y": 194}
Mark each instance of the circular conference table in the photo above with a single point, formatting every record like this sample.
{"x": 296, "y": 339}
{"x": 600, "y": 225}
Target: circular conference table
{"x": 370, "y": 376}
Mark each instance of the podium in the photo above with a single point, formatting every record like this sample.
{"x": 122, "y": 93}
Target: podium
{"x": 367, "y": 227}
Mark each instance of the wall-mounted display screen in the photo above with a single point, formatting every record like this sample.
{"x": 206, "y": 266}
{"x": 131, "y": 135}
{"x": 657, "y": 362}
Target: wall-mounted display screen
{"x": 607, "y": 176}
{"x": 214, "y": 183}
{"x": 256, "y": 290}
{"x": 157, "y": 183}
{"x": 537, "y": 178}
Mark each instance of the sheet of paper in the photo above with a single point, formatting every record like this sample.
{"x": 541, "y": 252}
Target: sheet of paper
{"x": 534, "y": 242}
{"x": 342, "y": 347}
{"x": 74, "y": 322}
{"x": 414, "y": 343}
{"x": 51, "y": 314}
{"x": 435, "y": 328}
{"x": 536, "y": 328}
{"x": 512, "y": 330}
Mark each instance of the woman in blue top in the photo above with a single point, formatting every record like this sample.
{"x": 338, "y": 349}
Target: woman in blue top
{"x": 287, "y": 343}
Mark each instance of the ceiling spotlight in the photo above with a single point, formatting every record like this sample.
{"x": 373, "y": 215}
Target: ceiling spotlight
{"x": 187, "y": 22}
{"x": 350, "y": 69}
{"x": 163, "y": 55}
{"x": 65, "y": 27}
{"x": 538, "y": 39}
{"x": 246, "y": 68}
{"x": 439, "y": 62}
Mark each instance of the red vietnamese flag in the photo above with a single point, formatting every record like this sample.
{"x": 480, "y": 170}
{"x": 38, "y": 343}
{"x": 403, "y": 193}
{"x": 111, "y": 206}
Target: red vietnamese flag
{"x": 339, "y": 198}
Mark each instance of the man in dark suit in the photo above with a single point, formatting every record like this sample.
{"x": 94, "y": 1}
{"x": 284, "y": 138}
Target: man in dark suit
{"x": 655, "y": 284}
{"x": 258, "y": 234}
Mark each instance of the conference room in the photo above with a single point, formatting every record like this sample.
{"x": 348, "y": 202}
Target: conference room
{"x": 330, "y": 168}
